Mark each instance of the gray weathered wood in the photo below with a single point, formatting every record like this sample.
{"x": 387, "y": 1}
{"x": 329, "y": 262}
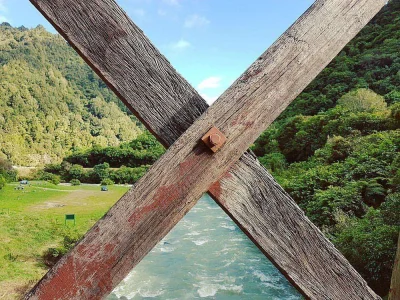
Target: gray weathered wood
{"x": 394, "y": 293}
{"x": 151, "y": 68}
{"x": 308, "y": 259}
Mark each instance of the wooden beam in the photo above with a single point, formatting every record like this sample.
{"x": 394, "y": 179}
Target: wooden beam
{"x": 190, "y": 102}
{"x": 267, "y": 214}
{"x": 394, "y": 293}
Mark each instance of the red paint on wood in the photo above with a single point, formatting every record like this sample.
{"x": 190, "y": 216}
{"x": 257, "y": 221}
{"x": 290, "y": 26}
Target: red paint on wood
{"x": 215, "y": 190}
{"x": 65, "y": 282}
{"x": 64, "y": 277}
{"x": 164, "y": 196}
{"x": 187, "y": 165}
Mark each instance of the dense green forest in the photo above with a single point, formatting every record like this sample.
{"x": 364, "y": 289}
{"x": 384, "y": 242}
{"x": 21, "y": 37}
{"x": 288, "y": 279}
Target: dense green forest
{"x": 51, "y": 102}
{"x": 335, "y": 150}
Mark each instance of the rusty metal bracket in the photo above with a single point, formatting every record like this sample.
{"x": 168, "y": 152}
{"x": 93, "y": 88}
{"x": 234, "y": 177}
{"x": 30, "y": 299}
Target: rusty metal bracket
{"x": 214, "y": 139}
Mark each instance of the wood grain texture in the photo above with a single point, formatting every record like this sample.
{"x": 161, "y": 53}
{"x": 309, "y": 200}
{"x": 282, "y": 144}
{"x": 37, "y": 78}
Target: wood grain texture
{"x": 122, "y": 67}
{"x": 119, "y": 52}
{"x": 281, "y": 230}
{"x": 394, "y": 293}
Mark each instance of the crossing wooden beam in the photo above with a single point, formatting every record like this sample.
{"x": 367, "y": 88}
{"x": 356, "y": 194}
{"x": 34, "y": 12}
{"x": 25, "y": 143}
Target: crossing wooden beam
{"x": 119, "y": 52}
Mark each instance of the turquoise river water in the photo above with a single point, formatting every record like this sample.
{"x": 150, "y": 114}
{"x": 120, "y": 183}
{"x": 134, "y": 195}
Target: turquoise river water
{"x": 205, "y": 256}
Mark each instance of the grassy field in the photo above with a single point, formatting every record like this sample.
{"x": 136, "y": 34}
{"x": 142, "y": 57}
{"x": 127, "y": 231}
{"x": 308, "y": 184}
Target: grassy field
{"x": 33, "y": 219}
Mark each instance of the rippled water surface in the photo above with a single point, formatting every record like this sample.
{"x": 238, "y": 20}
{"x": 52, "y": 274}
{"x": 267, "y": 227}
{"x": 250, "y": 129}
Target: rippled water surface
{"x": 205, "y": 256}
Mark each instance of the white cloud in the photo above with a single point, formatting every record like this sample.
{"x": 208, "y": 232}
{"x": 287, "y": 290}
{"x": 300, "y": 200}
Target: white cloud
{"x": 3, "y": 19}
{"x": 210, "y": 83}
{"x": 196, "y": 21}
{"x": 209, "y": 99}
{"x": 180, "y": 45}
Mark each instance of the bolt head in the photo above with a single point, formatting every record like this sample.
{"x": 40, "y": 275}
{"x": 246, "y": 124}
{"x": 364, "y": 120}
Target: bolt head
{"x": 215, "y": 139}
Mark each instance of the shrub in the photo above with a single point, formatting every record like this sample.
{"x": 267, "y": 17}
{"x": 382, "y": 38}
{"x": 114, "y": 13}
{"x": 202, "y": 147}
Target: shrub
{"x": 128, "y": 175}
{"x": 52, "y": 255}
{"x": 2, "y": 182}
{"x": 75, "y": 182}
{"x": 107, "y": 181}
{"x": 7, "y": 171}
{"x": 54, "y": 179}
{"x": 52, "y": 168}
{"x": 102, "y": 171}
{"x": 75, "y": 172}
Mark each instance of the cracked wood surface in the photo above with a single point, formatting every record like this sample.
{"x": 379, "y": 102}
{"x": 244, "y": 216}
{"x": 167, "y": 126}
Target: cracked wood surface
{"x": 166, "y": 103}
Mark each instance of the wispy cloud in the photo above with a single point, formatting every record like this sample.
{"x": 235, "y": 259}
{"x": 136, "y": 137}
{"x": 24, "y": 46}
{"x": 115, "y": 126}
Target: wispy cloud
{"x": 180, "y": 45}
{"x": 209, "y": 99}
{"x": 212, "y": 82}
{"x": 196, "y": 21}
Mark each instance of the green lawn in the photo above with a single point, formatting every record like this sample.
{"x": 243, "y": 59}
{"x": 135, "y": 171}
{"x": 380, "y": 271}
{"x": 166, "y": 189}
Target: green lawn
{"x": 32, "y": 220}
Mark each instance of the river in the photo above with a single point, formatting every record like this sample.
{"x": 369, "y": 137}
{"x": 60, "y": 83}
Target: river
{"x": 205, "y": 256}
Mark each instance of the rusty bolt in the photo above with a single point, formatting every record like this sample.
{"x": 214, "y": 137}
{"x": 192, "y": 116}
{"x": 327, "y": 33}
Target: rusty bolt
{"x": 215, "y": 139}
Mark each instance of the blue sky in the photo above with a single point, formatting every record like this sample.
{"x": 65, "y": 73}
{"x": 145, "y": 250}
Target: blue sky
{"x": 210, "y": 42}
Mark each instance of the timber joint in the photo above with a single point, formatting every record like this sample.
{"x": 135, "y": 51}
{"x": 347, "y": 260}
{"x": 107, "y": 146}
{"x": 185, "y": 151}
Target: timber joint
{"x": 214, "y": 139}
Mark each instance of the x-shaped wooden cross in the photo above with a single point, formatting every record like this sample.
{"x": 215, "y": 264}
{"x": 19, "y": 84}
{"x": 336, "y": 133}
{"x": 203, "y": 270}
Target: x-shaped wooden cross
{"x": 174, "y": 112}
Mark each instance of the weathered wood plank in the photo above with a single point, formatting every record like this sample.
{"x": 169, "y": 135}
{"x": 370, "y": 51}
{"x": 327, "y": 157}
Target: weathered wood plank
{"x": 394, "y": 293}
{"x": 267, "y": 214}
{"x": 185, "y": 104}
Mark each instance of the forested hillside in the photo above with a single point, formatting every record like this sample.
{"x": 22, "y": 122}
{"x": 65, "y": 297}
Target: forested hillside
{"x": 51, "y": 102}
{"x": 335, "y": 150}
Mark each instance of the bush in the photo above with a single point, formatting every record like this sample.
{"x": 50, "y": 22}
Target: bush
{"x": 143, "y": 150}
{"x": 128, "y": 175}
{"x": 7, "y": 171}
{"x": 46, "y": 176}
{"x": 107, "y": 181}
{"x": 102, "y": 171}
{"x": 2, "y": 182}
{"x": 53, "y": 168}
{"x": 75, "y": 182}
{"x": 75, "y": 172}
{"x": 52, "y": 255}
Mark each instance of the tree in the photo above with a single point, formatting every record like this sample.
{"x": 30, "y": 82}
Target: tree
{"x": 102, "y": 171}
{"x": 362, "y": 100}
